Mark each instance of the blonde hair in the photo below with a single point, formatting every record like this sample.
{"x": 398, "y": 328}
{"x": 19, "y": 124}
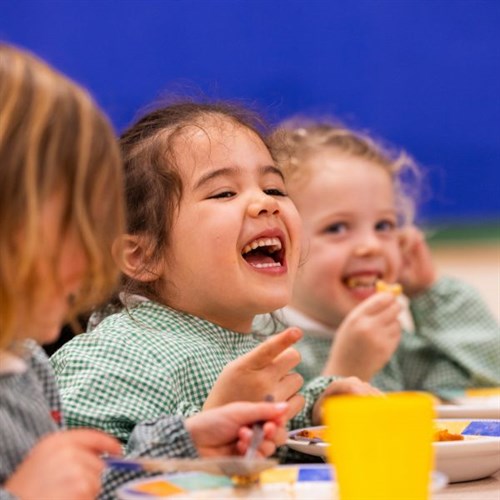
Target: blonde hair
{"x": 297, "y": 141}
{"x": 53, "y": 138}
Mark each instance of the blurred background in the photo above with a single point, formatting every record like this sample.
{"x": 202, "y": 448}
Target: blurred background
{"x": 423, "y": 75}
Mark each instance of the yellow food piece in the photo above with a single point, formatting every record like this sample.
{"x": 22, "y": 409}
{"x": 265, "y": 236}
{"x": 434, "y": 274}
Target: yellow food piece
{"x": 247, "y": 480}
{"x": 394, "y": 288}
{"x": 159, "y": 488}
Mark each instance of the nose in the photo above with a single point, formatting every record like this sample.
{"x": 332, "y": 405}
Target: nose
{"x": 263, "y": 204}
{"x": 367, "y": 244}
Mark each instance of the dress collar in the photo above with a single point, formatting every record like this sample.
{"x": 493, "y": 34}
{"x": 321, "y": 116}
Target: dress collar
{"x": 11, "y": 363}
{"x": 314, "y": 328}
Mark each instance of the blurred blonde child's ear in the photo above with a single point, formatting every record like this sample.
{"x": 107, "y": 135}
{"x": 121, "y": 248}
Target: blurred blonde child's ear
{"x": 133, "y": 255}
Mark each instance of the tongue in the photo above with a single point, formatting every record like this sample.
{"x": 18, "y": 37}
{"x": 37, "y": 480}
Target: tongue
{"x": 258, "y": 258}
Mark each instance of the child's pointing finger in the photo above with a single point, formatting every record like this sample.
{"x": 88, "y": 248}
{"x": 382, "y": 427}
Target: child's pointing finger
{"x": 264, "y": 354}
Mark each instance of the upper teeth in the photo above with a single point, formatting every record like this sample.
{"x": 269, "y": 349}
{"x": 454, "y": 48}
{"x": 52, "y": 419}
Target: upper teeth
{"x": 361, "y": 281}
{"x": 274, "y": 244}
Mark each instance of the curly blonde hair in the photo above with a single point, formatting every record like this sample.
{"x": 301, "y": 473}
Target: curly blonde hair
{"x": 298, "y": 141}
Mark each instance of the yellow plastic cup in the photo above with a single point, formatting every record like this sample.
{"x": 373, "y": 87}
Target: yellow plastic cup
{"x": 381, "y": 447}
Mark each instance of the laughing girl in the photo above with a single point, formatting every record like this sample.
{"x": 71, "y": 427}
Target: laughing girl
{"x": 212, "y": 241}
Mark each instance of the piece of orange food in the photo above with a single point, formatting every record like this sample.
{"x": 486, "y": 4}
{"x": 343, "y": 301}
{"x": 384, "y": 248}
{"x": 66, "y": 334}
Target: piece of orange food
{"x": 394, "y": 288}
{"x": 439, "y": 435}
{"x": 445, "y": 435}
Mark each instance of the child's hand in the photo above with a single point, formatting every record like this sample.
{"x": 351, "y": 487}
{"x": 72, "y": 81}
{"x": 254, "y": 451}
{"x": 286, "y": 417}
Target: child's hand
{"x": 350, "y": 385}
{"x": 226, "y": 430}
{"x": 367, "y": 338}
{"x": 63, "y": 465}
{"x": 418, "y": 272}
{"x": 262, "y": 372}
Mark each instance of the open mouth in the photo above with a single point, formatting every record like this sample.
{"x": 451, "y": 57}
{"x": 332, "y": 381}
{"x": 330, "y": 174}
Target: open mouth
{"x": 365, "y": 281}
{"x": 264, "y": 253}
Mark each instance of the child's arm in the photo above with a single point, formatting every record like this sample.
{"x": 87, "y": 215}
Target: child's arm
{"x": 366, "y": 339}
{"x": 457, "y": 340}
{"x": 218, "y": 432}
{"x": 266, "y": 370}
{"x": 65, "y": 464}
{"x": 318, "y": 389}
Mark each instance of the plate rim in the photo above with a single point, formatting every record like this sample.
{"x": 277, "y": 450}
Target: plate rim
{"x": 478, "y": 446}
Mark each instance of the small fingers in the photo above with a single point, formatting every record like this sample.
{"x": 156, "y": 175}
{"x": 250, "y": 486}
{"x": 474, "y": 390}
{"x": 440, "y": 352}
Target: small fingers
{"x": 94, "y": 441}
{"x": 296, "y": 404}
{"x": 377, "y": 303}
{"x": 351, "y": 385}
{"x": 286, "y": 361}
{"x": 289, "y": 385}
{"x": 265, "y": 353}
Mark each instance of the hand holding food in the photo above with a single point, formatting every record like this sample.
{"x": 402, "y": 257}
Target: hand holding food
{"x": 418, "y": 271}
{"x": 366, "y": 339}
{"x": 227, "y": 430}
{"x": 266, "y": 370}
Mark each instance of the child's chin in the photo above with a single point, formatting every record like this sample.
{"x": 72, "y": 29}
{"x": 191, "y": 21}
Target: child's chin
{"x": 48, "y": 334}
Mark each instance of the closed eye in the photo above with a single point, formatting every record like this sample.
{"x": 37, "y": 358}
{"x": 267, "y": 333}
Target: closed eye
{"x": 223, "y": 194}
{"x": 275, "y": 192}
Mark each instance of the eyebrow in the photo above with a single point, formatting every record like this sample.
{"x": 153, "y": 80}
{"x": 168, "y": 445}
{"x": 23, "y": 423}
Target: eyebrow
{"x": 232, "y": 171}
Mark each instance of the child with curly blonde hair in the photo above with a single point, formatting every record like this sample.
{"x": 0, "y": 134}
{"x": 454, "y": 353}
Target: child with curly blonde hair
{"x": 356, "y": 200}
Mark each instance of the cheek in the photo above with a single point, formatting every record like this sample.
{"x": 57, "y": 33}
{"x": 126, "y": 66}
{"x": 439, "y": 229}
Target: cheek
{"x": 72, "y": 268}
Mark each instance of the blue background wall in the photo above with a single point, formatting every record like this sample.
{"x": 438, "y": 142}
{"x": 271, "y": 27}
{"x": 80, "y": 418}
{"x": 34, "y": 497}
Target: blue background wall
{"x": 424, "y": 75}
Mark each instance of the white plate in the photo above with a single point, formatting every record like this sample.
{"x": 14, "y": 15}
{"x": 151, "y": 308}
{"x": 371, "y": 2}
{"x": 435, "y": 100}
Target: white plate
{"x": 474, "y": 403}
{"x": 468, "y": 411}
{"x": 477, "y": 456}
{"x": 297, "y": 482}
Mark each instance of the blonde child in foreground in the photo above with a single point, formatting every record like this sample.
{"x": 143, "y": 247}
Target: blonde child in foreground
{"x": 61, "y": 206}
{"x": 213, "y": 240}
{"x": 357, "y": 229}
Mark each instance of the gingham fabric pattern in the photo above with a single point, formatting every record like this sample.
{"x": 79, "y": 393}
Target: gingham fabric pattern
{"x": 455, "y": 345}
{"x": 150, "y": 362}
{"x": 161, "y": 438}
{"x": 29, "y": 409}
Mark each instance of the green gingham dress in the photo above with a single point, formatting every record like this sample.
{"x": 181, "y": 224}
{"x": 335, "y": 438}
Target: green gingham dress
{"x": 454, "y": 345}
{"x": 150, "y": 362}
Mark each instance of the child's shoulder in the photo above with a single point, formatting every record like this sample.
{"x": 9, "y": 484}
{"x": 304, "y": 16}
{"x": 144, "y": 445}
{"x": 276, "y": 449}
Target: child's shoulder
{"x": 148, "y": 331}
{"x": 450, "y": 294}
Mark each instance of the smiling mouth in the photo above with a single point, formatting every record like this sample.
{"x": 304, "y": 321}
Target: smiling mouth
{"x": 366, "y": 282}
{"x": 264, "y": 253}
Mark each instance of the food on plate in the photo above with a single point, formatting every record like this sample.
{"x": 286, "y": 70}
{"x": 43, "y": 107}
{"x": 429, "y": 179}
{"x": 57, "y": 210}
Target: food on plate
{"x": 318, "y": 435}
{"x": 311, "y": 434}
{"x": 394, "y": 288}
{"x": 445, "y": 435}
{"x": 245, "y": 480}
{"x": 158, "y": 488}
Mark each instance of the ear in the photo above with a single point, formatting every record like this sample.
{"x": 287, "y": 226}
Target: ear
{"x": 133, "y": 253}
